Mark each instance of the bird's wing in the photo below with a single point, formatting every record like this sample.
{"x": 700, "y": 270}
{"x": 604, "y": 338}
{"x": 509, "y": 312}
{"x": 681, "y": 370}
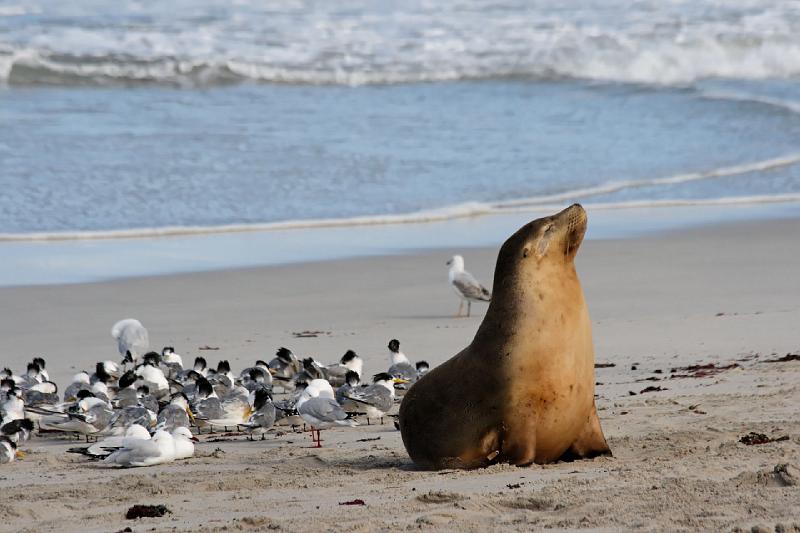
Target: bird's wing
{"x": 375, "y": 395}
{"x": 470, "y": 287}
{"x": 136, "y": 451}
{"x": 403, "y": 370}
{"x": 323, "y": 409}
{"x": 173, "y": 416}
{"x": 134, "y": 338}
{"x": 210, "y": 408}
{"x": 235, "y": 408}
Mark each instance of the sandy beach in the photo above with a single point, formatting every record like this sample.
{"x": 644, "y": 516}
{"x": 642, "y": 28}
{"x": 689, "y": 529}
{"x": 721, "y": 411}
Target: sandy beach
{"x": 725, "y": 295}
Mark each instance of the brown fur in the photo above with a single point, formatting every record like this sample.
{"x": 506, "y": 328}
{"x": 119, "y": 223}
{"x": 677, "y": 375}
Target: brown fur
{"x": 523, "y": 391}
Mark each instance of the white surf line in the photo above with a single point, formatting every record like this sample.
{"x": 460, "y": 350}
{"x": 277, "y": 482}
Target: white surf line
{"x": 782, "y": 198}
{"x": 735, "y": 96}
{"x": 465, "y": 210}
{"x": 616, "y": 186}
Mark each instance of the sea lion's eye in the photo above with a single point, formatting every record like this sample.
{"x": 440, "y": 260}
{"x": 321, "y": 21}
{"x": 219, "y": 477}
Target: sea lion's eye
{"x": 525, "y": 252}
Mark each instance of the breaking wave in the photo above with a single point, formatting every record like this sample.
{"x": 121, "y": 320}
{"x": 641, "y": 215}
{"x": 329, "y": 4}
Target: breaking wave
{"x": 210, "y": 42}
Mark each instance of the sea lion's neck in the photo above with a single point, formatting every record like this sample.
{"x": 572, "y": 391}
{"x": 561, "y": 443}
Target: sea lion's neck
{"x": 522, "y": 298}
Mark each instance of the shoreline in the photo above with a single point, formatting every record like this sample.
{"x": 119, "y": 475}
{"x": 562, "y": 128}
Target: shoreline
{"x": 97, "y": 260}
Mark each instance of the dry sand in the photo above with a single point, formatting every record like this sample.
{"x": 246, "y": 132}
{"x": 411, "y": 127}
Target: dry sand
{"x": 724, "y": 295}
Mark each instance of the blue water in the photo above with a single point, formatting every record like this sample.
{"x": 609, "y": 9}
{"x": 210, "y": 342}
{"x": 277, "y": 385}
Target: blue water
{"x": 77, "y": 159}
{"x": 145, "y": 117}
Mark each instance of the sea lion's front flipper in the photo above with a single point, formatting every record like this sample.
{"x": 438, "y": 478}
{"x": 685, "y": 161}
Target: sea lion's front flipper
{"x": 519, "y": 441}
{"x": 590, "y": 442}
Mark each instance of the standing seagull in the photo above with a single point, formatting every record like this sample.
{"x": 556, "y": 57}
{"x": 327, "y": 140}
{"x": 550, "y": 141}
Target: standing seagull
{"x": 466, "y": 286}
{"x": 317, "y": 406}
{"x": 132, "y": 339}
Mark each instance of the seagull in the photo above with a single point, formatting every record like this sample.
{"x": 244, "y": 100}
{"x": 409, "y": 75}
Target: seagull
{"x": 32, "y": 376}
{"x": 93, "y": 415}
{"x": 256, "y": 377}
{"x": 105, "y": 372}
{"x": 126, "y": 390}
{"x": 138, "y": 452}
{"x": 6, "y": 373}
{"x": 312, "y": 370}
{"x": 17, "y": 430}
{"x": 176, "y": 413}
{"x": 8, "y": 450}
{"x": 224, "y": 369}
{"x": 80, "y": 381}
{"x": 466, "y": 286}
{"x": 400, "y": 367}
{"x": 171, "y": 362}
{"x": 263, "y": 415}
{"x": 319, "y": 409}
{"x": 378, "y": 397}
{"x": 350, "y": 362}
{"x": 212, "y": 411}
{"x": 283, "y": 368}
{"x": 183, "y": 441}
{"x": 152, "y": 376}
{"x": 41, "y": 362}
{"x": 352, "y": 382}
{"x": 132, "y": 339}
{"x": 45, "y": 392}
{"x": 200, "y": 367}
{"x": 109, "y": 445}
{"x": 13, "y": 408}
{"x": 124, "y": 418}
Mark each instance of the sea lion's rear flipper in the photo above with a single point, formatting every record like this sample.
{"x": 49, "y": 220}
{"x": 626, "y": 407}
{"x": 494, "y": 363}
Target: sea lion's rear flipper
{"x": 590, "y": 442}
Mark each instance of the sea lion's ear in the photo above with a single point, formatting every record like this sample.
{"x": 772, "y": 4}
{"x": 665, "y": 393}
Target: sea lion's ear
{"x": 544, "y": 241}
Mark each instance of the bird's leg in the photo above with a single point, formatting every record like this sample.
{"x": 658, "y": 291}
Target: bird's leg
{"x": 460, "y": 307}
{"x": 319, "y": 439}
{"x": 263, "y": 436}
{"x": 381, "y": 420}
{"x": 469, "y": 307}
{"x": 368, "y": 421}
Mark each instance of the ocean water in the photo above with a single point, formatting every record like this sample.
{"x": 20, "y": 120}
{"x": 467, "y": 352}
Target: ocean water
{"x": 145, "y": 118}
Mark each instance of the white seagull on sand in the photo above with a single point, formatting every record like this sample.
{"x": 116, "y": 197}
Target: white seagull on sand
{"x": 466, "y": 286}
{"x": 317, "y": 406}
{"x": 145, "y": 452}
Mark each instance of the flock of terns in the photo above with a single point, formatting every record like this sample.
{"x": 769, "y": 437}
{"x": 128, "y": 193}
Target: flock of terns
{"x": 148, "y": 408}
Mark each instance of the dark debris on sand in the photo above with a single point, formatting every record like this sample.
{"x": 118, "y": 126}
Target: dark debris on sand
{"x": 353, "y": 502}
{"x": 754, "y": 438}
{"x": 652, "y": 389}
{"x": 309, "y": 334}
{"x": 700, "y": 371}
{"x": 604, "y": 365}
{"x": 146, "y": 511}
{"x": 786, "y": 358}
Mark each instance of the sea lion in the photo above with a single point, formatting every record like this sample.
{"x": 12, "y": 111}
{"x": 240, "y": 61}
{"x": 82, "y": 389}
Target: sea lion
{"x": 523, "y": 391}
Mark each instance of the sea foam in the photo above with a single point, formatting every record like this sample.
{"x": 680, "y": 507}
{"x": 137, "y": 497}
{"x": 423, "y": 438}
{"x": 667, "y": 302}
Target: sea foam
{"x": 352, "y": 43}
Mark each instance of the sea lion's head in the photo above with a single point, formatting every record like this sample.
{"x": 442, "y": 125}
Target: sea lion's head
{"x": 555, "y": 237}
{"x": 539, "y": 248}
